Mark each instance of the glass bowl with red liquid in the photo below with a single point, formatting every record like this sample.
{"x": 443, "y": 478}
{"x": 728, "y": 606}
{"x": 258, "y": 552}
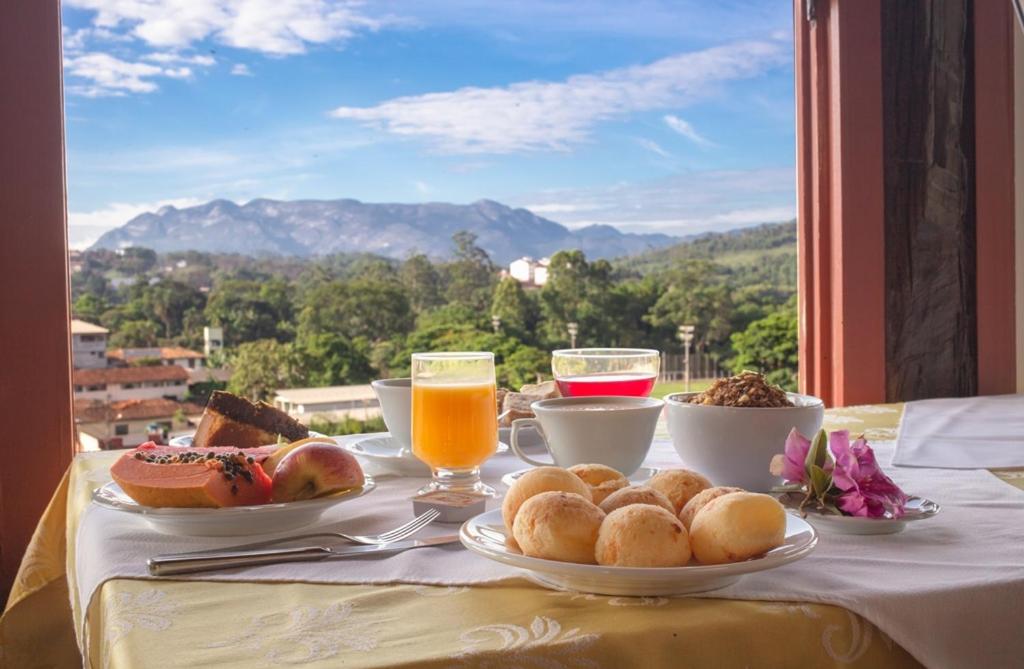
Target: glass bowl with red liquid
{"x": 582, "y": 372}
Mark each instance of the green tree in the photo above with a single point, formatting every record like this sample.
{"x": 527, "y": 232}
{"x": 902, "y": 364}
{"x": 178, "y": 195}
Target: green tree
{"x": 261, "y": 367}
{"x": 769, "y": 345}
{"x": 373, "y": 308}
{"x": 471, "y": 275}
{"x": 696, "y": 295}
{"x": 89, "y": 307}
{"x": 251, "y": 310}
{"x": 578, "y": 291}
{"x": 135, "y": 334}
{"x": 331, "y": 359}
{"x": 171, "y": 302}
{"x": 512, "y": 306}
{"x": 422, "y": 283}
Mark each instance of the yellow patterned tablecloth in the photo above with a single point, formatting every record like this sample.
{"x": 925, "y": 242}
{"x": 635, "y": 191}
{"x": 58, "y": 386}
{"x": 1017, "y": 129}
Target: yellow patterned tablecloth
{"x": 144, "y": 623}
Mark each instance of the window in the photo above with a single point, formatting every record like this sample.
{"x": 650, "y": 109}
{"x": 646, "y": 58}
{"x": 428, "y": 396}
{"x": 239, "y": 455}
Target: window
{"x": 121, "y": 429}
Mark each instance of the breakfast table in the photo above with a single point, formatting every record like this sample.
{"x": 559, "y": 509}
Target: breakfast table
{"x": 196, "y": 621}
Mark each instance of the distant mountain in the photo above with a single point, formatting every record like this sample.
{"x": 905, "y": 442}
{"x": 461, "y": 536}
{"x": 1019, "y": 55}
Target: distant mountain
{"x": 322, "y": 227}
{"x": 766, "y": 251}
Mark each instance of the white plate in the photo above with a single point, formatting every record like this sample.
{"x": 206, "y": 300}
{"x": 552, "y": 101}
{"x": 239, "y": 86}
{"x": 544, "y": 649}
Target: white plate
{"x": 639, "y": 477}
{"x": 485, "y": 534}
{"x": 918, "y": 508}
{"x": 385, "y": 456}
{"x": 230, "y": 521}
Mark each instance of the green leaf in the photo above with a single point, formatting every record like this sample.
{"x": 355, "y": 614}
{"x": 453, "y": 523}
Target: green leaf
{"x": 821, "y": 481}
{"x": 817, "y": 454}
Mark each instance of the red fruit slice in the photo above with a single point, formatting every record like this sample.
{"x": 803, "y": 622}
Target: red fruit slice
{"x": 165, "y": 476}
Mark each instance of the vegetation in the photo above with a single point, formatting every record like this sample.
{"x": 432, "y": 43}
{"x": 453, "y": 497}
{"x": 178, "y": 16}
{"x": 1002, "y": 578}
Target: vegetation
{"x": 350, "y": 318}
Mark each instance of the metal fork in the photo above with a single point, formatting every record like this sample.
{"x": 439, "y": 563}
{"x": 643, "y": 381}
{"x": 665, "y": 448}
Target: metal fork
{"x": 397, "y": 534}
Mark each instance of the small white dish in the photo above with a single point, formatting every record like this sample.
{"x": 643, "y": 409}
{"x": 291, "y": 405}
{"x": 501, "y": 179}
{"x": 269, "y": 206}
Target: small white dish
{"x": 486, "y": 535}
{"x": 229, "y": 521}
{"x": 918, "y": 508}
{"x": 386, "y": 457}
{"x": 639, "y": 477}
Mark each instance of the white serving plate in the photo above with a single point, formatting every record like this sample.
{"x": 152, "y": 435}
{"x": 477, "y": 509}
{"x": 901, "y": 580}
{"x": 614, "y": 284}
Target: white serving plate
{"x": 918, "y": 508}
{"x": 229, "y": 521}
{"x": 185, "y": 440}
{"x": 385, "y": 456}
{"x": 486, "y": 535}
{"x": 639, "y": 477}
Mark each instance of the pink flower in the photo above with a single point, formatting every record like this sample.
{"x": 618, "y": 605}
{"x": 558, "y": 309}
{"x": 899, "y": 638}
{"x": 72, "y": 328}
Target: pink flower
{"x": 793, "y": 462}
{"x": 866, "y": 490}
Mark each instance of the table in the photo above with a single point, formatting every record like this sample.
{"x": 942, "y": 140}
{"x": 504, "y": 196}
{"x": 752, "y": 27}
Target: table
{"x": 141, "y": 623}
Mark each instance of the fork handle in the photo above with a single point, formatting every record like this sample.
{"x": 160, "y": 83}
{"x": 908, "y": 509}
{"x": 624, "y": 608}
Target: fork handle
{"x": 169, "y": 565}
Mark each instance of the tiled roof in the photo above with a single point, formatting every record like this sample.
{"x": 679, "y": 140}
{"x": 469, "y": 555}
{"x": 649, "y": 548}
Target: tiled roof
{"x": 163, "y": 352}
{"x": 81, "y": 327}
{"x": 96, "y": 411}
{"x": 103, "y": 375}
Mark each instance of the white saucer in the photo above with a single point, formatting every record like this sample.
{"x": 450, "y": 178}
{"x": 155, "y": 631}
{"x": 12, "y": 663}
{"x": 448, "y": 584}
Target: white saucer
{"x": 385, "y": 457}
{"x": 918, "y": 508}
{"x": 639, "y": 477}
{"x": 486, "y": 535}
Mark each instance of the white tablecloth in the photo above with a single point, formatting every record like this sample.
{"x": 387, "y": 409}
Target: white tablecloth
{"x": 962, "y": 433}
{"x": 950, "y": 589}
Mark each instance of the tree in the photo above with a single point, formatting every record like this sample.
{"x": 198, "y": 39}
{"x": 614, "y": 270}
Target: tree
{"x": 331, "y": 359}
{"x": 89, "y": 307}
{"x": 135, "y": 334}
{"x": 696, "y": 295}
{"x": 261, "y": 367}
{"x": 769, "y": 345}
{"x": 373, "y": 308}
{"x": 422, "y": 283}
{"x": 471, "y": 275}
{"x": 512, "y": 306}
{"x": 578, "y": 292}
{"x": 251, "y": 310}
{"x": 171, "y": 302}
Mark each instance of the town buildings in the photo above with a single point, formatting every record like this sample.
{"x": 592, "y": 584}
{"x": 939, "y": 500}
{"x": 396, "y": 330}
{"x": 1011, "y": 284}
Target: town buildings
{"x": 529, "y": 271}
{"x": 88, "y": 345}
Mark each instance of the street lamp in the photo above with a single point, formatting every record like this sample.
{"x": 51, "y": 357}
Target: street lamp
{"x": 574, "y": 329}
{"x": 686, "y": 336}
{"x": 496, "y": 322}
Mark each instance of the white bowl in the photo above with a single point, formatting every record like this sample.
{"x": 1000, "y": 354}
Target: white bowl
{"x": 733, "y": 446}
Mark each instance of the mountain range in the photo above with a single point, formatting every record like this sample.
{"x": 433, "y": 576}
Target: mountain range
{"x": 322, "y": 227}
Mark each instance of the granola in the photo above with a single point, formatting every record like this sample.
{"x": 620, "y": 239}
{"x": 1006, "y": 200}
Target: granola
{"x": 747, "y": 389}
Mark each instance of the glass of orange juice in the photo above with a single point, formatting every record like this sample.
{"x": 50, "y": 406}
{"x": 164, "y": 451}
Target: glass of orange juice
{"x": 454, "y": 418}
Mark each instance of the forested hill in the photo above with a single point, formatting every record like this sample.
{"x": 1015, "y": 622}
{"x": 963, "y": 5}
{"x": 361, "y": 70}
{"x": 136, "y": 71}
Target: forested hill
{"x": 763, "y": 253}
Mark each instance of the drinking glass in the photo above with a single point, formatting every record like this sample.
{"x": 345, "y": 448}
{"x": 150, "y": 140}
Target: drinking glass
{"x": 581, "y": 372}
{"x": 454, "y": 418}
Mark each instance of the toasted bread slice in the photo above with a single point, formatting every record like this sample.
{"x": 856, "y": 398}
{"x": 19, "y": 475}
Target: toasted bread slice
{"x": 230, "y": 420}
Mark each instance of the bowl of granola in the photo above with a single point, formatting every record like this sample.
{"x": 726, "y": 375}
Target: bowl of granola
{"x": 731, "y": 430}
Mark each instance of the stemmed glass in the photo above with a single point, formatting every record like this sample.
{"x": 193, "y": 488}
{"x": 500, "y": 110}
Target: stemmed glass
{"x": 454, "y": 418}
{"x": 605, "y": 371}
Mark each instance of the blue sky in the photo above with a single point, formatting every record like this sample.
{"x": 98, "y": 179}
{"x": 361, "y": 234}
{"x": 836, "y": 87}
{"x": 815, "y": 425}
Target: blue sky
{"x": 652, "y": 116}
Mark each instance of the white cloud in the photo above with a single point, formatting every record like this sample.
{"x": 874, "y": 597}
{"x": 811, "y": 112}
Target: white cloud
{"x": 241, "y": 70}
{"x": 85, "y": 227}
{"x": 422, "y": 187}
{"x": 276, "y": 27}
{"x": 108, "y": 75}
{"x": 175, "y": 57}
{"x": 653, "y": 147}
{"x": 684, "y": 204}
{"x": 541, "y": 115}
{"x": 684, "y": 128}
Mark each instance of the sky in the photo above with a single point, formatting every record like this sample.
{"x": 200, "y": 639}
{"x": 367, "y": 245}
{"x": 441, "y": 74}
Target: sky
{"x": 672, "y": 116}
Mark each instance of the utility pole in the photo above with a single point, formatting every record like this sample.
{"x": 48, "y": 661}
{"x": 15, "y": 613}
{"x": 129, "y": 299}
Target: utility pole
{"x": 574, "y": 329}
{"x": 686, "y": 336}
{"x": 496, "y": 322}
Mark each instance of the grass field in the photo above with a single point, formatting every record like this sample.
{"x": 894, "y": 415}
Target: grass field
{"x": 664, "y": 388}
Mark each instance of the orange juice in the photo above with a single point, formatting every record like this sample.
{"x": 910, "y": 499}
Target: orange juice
{"x": 454, "y": 426}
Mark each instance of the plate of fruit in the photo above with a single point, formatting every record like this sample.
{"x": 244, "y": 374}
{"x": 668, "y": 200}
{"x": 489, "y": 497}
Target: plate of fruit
{"x": 675, "y": 535}
{"x": 236, "y": 488}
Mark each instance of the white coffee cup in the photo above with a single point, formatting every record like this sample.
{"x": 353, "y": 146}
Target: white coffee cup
{"x": 612, "y": 431}
{"x": 395, "y": 397}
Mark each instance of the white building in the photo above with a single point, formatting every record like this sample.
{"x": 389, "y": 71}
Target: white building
{"x": 529, "y": 271}
{"x": 213, "y": 340}
{"x": 128, "y": 423}
{"x": 88, "y": 345}
{"x": 334, "y": 401}
{"x": 112, "y": 384}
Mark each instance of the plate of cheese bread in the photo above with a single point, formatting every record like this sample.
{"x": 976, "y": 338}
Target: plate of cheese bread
{"x": 590, "y": 529}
